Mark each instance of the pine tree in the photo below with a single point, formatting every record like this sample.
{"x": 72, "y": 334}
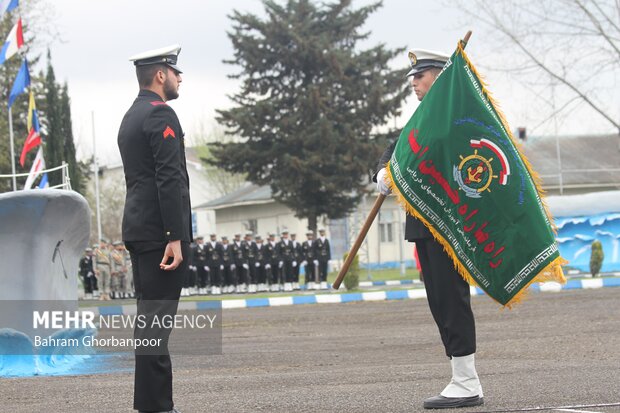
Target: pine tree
{"x": 75, "y": 171}
{"x": 310, "y": 103}
{"x": 54, "y": 136}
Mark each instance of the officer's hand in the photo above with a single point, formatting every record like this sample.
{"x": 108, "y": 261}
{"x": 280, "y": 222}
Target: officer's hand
{"x": 173, "y": 250}
{"x": 382, "y": 185}
{"x": 246, "y": 266}
{"x": 206, "y": 268}
{"x": 304, "y": 263}
{"x": 221, "y": 267}
{"x": 316, "y": 262}
{"x": 294, "y": 264}
{"x": 257, "y": 265}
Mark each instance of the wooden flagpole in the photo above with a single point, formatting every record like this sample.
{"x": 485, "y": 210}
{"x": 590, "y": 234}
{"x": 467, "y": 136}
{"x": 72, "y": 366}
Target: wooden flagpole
{"x": 371, "y": 217}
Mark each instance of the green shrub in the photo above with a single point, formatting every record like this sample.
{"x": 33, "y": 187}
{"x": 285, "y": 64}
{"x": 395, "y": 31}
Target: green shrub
{"x": 352, "y": 278}
{"x": 597, "y": 257}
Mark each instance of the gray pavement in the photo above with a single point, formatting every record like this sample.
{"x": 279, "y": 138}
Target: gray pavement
{"x": 556, "y": 349}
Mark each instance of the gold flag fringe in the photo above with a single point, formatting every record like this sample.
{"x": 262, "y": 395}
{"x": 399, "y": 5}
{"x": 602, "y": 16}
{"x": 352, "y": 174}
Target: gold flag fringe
{"x": 553, "y": 271}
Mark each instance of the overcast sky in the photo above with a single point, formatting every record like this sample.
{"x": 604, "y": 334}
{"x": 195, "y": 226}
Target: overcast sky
{"x": 98, "y": 37}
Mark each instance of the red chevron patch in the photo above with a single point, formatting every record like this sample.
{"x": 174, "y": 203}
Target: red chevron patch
{"x": 169, "y": 132}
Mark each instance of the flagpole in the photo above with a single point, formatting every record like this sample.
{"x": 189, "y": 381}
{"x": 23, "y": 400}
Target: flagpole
{"x": 96, "y": 178}
{"x": 12, "y": 149}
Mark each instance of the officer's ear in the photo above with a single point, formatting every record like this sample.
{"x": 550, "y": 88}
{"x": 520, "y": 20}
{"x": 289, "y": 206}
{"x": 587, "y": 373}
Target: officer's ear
{"x": 160, "y": 76}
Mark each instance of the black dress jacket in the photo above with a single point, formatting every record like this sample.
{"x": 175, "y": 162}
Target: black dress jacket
{"x": 157, "y": 205}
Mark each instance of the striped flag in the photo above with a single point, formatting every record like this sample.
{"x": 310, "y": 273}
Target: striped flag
{"x": 34, "y": 136}
{"x": 14, "y": 42}
{"x": 37, "y": 166}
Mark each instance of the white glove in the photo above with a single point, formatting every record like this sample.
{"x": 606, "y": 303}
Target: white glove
{"x": 316, "y": 262}
{"x": 246, "y": 266}
{"x": 232, "y": 267}
{"x": 192, "y": 267}
{"x": 90, "y": 274}
{"x": 257, "y": 265}
{"x": 281, "y": 264}
{"x": 267, "y": 266}
{"x": 294, "y": 264}
{"x": 382, "y": 185}
{"x": 304, "y": 262}
{"x": 206, "y": 268}
{"x": 221, "y": 267}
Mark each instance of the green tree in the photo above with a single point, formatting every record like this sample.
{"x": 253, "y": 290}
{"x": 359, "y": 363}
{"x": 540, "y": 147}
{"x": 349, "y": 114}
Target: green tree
{"x": 597, "y": 257}
{"x": 75, "y": 169}
{"x": 307, "y": 113}
{"x": 54, "y": 136}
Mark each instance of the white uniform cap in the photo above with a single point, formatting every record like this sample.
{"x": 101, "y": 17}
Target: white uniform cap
{"x": 166, "y": 55}
{"x": 422, "y": 60}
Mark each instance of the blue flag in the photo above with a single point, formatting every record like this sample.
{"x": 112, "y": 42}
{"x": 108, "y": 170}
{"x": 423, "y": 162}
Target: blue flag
{"x": 22, "y": 81}
{"x": 44, "y": 182}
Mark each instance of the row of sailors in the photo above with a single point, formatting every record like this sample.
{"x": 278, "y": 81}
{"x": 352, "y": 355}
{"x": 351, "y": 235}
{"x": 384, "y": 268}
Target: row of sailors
{"x": 106, "y": 271}
{"x": 254, "y": 265}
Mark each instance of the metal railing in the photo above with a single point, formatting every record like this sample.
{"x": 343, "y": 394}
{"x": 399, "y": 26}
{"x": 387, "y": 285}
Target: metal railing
{"x": 563, "y": 184}
{"x": 64, "y": 170}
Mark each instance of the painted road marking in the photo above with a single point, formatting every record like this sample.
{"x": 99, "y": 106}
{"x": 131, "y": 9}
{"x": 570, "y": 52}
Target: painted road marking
{"x": 576, "y": 411}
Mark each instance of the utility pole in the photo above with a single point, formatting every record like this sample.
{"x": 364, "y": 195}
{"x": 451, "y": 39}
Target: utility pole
{"x": 99, "y": 236}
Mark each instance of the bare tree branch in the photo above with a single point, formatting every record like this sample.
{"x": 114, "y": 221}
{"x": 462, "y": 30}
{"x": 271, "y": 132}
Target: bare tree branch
{"x": 597, "y": 24}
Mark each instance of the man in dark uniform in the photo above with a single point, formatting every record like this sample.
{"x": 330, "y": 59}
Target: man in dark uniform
{"x": 242, "y": 268}
{"x": 202, "y": 270}
{"x": 272, "y": 260}
{"x": 87, "y": 272}
{"x": 447, "y": 292}
{"x": 228, "y": 267}
{"x": 261, "y": 272}
{"x": 324, "y": 254}
{"x": 249, "y": 255}
{"x": 285, "y": 252}
{"x": 308, "y": 251}
{"x": 156, "y": 222}
{"x": 297, "y": 260}
{"x": 214, "y": 255}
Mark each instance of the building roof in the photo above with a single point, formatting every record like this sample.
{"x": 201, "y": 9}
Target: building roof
{"x": 587, "y": 162}
{"x": 248, "y": 194}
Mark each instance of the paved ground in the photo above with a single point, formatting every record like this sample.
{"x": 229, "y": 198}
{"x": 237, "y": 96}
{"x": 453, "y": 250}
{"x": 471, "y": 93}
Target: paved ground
{"x": 557, "y": 349}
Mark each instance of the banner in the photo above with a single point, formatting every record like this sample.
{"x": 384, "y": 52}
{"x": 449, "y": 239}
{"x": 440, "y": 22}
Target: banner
{"x": 457, "y": 168}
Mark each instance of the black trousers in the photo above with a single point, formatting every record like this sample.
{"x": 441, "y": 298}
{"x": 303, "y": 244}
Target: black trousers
{"x": 202, "y": 274}
{"x": 323, "y": 270}
{"x": 296, "y": 270}
{"x": 449, "y": 299}
{"x": 157, "y": 294}
{"x": 310, "y": 271}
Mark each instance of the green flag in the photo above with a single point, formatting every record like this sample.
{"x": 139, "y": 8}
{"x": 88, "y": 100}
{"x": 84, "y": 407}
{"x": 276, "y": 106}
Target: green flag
{"x": 457, "y": 168}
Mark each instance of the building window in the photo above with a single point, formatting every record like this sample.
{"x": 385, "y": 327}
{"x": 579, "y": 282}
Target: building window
{"x": 386, "y": 225}
{"x": 386, "y": 232}
{"x": 251, "y": 225}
